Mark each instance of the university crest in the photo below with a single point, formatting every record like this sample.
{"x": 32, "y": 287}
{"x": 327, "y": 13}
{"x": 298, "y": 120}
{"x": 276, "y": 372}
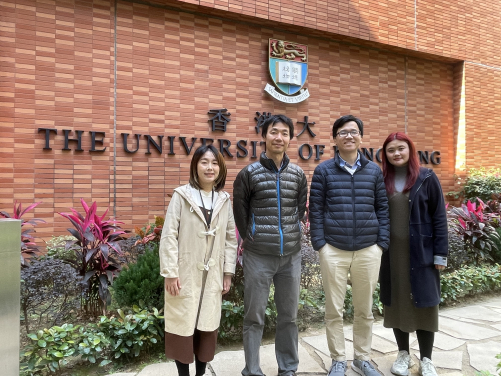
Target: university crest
{"x": 288, "y": 66}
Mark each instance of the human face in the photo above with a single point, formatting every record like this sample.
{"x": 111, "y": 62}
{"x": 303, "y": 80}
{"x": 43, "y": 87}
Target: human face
{"x": 348, "y": 144}
{"x": 397, "y": 153}
{"x": 208, "y": 171}
{"x": 277, "y": 138}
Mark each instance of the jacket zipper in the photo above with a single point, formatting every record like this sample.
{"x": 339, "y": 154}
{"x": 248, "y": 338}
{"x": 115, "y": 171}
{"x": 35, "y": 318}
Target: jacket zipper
{"x": 279, "y": 216}
{"x": 353, "y": 205}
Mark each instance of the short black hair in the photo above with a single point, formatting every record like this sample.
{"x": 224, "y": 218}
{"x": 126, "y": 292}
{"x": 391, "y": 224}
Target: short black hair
{"x": 345, "y": 119}
{"x": 272, "y": 120}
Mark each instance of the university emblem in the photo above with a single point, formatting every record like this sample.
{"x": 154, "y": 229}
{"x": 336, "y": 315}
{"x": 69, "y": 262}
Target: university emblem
{"x": 288, "y": 66}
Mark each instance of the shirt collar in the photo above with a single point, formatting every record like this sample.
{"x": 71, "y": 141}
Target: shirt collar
{"x": 343, "y": 163}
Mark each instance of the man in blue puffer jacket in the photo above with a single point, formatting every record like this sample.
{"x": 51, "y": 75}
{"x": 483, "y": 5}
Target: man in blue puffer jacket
{"x": 350, "y": 228}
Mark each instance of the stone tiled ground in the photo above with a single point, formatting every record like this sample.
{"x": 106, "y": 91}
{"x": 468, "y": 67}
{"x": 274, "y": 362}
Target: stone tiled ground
{"x": 468, "y": 340}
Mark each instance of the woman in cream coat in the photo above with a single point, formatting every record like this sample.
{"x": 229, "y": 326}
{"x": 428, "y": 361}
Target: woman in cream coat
{"x": 198, "y": 252}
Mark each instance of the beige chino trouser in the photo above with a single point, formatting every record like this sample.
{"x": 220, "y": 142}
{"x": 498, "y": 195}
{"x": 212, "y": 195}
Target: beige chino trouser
{"x": 363, "y": 266}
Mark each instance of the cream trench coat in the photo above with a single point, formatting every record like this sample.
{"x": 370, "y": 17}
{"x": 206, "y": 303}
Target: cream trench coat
{"x": 184, "y": 246}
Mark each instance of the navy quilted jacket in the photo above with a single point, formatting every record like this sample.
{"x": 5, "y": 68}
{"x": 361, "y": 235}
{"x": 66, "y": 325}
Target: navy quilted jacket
{"x": 268, "y": 205}
{"x": 349, "y": 212}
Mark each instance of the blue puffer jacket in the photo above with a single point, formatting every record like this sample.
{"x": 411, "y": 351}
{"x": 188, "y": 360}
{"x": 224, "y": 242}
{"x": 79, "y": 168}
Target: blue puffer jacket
{"x": 349, "y": 212}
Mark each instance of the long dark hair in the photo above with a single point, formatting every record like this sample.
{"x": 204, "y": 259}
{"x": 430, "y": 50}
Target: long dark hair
{"x": 389, "y": 169}
{"x": 220, "y": 180}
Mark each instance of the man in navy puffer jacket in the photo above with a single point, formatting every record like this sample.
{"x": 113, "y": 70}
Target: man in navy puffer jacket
{"x": 350, "y": 228}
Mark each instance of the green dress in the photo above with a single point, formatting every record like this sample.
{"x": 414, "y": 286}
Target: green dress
{"x": 402, "y": 313}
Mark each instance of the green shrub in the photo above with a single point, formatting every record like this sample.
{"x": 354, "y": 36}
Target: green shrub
{"x": 141, "y": 281}
{"x": 470, "y": 280}
{"x": 482, "y": 183}
{"x": 112, "y": 337}
{"x": 50, "y": 348}
{"x": 129, "y": 334}
{"x": 56, "y": 248}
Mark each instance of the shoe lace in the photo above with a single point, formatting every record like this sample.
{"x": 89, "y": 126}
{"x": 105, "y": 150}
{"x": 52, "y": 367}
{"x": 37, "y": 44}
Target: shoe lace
{"x": 366, "y": 364}
{"x": 427, "y": 367}
{"x": 338, "y": 366}
{"x": 402, "y": 358}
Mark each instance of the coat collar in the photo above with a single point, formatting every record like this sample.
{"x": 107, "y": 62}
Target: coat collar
{"x": 270, "y": 165}
{"x": 185, "y": 192}
{"x": 424, "y": 173}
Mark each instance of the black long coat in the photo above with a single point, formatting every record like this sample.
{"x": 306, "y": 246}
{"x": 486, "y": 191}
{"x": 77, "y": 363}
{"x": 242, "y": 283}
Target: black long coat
{"x": 428, "y": 242}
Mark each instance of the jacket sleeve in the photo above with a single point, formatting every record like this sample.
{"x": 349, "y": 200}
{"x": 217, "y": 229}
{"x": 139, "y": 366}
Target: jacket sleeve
{"x": 241, "y": 201}
{"x": 230, "y": 245}
{"x": 168, "y": 251}
{"x": 316, "y": 209}
{"x": 303, "y": 196}
{"x": 382, "y": 213}
{"x": 436, "y": 207}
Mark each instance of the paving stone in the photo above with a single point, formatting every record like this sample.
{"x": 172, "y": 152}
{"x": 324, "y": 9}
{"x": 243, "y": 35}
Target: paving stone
{"x": 320, "y": 343}
{"x": 384, "y": 364}
{"x": 474, "y": 312}
{"x": 496, "y": 326}
{"x": 443, "y": 342}
{"x": 387, "y": 333}
{"x": 382, "y": 345}
{"x": 482, "y": 355}
{"x": 466, "y": 331}
{"x": 166, "y": 369}
{"x": 445, "y": 359}
{"x": 230, "y": 363}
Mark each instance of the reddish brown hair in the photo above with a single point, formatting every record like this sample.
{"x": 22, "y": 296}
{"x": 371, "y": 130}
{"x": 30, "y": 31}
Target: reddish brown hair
{"x": 389, "y": 169}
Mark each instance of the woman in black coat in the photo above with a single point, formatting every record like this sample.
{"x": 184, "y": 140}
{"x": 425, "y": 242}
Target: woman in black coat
{"x": 409, "y": 276}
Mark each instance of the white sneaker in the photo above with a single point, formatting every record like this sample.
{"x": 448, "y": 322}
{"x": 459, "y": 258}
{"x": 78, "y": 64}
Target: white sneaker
{"x": 426, "y": 367}
{"x": 402, "y": 364}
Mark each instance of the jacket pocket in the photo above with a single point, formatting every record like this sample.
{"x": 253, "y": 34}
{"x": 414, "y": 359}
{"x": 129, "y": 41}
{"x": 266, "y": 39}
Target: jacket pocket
{"x": 253, "y": 228}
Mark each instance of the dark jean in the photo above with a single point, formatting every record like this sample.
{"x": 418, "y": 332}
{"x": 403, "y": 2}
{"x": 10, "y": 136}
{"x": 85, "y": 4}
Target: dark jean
{"x": 259, "y": 272}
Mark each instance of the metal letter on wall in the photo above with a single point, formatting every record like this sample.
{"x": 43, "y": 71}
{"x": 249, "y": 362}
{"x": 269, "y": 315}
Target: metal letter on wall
{"x": 10, "y": 277}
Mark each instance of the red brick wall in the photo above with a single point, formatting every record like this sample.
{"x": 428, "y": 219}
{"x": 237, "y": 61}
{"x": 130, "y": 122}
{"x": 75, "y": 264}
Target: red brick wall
{"x": 57, "y": 71}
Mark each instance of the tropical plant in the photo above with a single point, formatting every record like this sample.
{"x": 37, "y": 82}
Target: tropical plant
{"x": 28, "y": 245}
{"x": 151, "y": 232}
{"x": 95, "y": 247}
{"x": 476, "y": 231}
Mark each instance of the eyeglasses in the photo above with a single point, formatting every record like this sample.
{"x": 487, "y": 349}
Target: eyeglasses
{"x": 353, "y": 133}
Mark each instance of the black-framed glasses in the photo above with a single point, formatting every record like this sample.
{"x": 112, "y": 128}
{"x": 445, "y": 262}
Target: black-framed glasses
{"x": 353, "y": 133}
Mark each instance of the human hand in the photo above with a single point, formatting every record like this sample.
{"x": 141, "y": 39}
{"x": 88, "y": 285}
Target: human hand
{"x": 226, "y": 283}
{"x": 439, "y": 267}
{"x": 172, "y": 286}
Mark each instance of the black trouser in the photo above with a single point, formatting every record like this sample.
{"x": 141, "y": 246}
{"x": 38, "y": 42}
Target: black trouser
{"x": 184, "y": 369}
{"x": 425, "y": 340}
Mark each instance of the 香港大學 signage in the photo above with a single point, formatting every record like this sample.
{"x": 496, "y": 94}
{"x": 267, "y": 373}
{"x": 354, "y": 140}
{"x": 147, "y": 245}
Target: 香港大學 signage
{"x": 288, "y": 67}
{"x": 219, "y": 120}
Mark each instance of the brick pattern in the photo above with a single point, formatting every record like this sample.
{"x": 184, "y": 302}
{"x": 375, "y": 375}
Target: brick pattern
{"x": 172, "y": 67}
{"x": 463, "y": 29}
{"x": 483, "y": 116}
{"x": 57, "y": 72}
